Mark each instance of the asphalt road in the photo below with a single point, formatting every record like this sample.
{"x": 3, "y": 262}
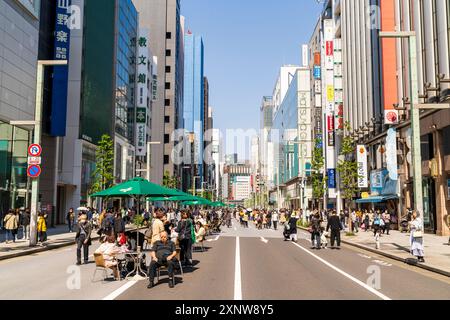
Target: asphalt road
{"x": 246, "y": 264}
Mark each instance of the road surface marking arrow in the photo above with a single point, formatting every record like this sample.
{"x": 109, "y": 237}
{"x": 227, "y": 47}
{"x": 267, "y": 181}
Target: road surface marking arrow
{"x": 264, "y": 240}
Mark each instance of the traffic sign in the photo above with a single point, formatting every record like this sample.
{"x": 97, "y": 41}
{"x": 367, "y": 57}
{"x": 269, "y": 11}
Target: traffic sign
{"x": 34, "y": 171}
{"x": 34, "y": 160}
{"x": 35, "y": 150}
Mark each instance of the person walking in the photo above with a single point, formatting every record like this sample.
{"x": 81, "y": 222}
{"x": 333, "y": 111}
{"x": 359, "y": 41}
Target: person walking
{"x": 26, "y": 219}
{"x": 293, "y": 227}
{"x": 83, "y": 239}
{"x": 335, "y": 225}
{"x": 119, "y": 225}
{"x": 387, "y": 222}
{"x": 70, "y": 217}
{"x": 366, "y": 222}
{"x": 184, "y": 231}
{"x": 42, "y": 228}
{"x": 416, "y": 240}
{"x": 157, "y": 227}
{"x": 275, "y": 219}
{"x": 316, "y": 231}
{"x": 11, "y": 223}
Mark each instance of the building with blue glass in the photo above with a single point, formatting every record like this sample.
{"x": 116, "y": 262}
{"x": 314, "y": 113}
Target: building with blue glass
{"x": 194, "y": 102}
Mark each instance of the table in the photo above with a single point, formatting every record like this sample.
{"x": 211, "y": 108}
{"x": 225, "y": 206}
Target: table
{"x": 137, "y": 258}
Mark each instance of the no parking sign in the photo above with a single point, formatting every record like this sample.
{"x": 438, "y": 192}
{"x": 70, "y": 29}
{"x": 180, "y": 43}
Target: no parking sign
{"x": 34, "y": 171}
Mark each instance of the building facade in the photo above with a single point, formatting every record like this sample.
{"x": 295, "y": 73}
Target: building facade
{"x": 162, "y": 18}
{"x": 19, "y": 34}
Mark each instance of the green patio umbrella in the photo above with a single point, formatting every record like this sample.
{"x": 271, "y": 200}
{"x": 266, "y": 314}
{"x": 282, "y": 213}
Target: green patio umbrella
{"x": 138, "y": 187}
{"x": 219, "y": 204}
{"x": 198, "y": 202}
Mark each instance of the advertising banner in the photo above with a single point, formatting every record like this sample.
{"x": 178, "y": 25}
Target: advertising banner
{"x": 363, "y": 174}
{"x": 58, "y": 113}
{"x": 391, "y": 154}
{"x": 332, "y": 178}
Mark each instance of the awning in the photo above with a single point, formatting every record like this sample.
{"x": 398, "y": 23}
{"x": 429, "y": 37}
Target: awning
{"x": 377, "y": 199}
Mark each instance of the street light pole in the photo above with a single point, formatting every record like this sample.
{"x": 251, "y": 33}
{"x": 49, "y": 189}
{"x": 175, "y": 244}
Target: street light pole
{"x": 37, "y": 140}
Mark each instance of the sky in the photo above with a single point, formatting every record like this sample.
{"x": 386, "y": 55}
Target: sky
{"x": 246, "y": 42}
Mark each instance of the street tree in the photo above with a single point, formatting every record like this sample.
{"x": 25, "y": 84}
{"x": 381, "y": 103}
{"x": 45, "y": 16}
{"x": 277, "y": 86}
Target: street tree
{"x": 103, "y": 175}
{"x": 319, "y": 182}
{"x": 348, "y": 166}
{"x": 170, "y": 181}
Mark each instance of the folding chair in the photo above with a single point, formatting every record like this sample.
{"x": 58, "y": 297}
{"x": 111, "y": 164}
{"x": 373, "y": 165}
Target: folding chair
{"x": 101, "y": 266}
{"x": 179, "y": 264}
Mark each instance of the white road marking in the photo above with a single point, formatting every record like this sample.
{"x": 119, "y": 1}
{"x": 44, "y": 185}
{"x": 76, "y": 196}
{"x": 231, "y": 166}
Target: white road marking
{"x": 237, "y": 273}
{"x": 362, "y": 284}
{"x": 364, "y": 256}
{"x": 119, "y": 291}
{"x": 264, "y": 240}
{"x": 383, "y": 263}
{"x": 235, "y": 229}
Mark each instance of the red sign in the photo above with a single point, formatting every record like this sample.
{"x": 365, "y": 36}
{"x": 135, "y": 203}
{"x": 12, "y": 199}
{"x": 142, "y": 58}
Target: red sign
{"x": 340, "y": 117}
{"x": 330, "y": 120}
{"x": 34, "y": 150}
{"x": 330, "y": 47}
{"x": 34, "y": 171}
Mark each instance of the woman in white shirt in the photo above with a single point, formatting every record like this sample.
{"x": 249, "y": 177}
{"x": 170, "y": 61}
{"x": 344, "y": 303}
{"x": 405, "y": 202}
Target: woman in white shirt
{"x": 110, "y": 250}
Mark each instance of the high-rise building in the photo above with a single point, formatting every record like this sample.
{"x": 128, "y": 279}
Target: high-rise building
{"x": 162, "y": 18}
{"x": 194, "y": 103}
{"x": 19, "y": 36}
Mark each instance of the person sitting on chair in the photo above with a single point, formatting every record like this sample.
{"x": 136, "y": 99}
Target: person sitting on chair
{"x": 163, "y": 253}
{"x": 200, "y": 232}
{"x": 110, "y": 250}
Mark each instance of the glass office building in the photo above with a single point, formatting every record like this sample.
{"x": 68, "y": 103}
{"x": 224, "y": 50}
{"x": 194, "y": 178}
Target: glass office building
{"x": 127, "y": 25}
{"x": 14, "y": 142}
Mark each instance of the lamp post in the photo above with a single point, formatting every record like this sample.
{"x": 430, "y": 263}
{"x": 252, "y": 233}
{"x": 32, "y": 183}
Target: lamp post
{"x": 415, "y": 115}
{"x": 37, "y": 124}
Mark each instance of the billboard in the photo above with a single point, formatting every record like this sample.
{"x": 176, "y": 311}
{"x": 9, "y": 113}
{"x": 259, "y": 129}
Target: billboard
{"x": 58, "y": 115}
{"x": 363, "y": 174}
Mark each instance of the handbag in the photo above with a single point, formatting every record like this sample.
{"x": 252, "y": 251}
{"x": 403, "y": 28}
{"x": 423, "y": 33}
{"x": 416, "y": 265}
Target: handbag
{"x": 418, "y": 235}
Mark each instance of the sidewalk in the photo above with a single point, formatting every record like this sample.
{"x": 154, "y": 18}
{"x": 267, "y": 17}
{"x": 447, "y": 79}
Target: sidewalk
{"x": 396, "y": 246}
{"x": 58, "y": 237}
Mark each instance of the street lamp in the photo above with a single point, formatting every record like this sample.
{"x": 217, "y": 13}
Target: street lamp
{"x": 415, "y": 114}
{"x": 37, "y": 124}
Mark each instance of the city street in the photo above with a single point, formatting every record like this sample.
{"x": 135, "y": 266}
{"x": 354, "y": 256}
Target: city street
{"x": 270, "y": 269}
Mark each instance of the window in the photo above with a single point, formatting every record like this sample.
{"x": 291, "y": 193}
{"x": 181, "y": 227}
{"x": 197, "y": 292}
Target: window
{"x": 166, "y": 138}
{"x": 446, "y": 142}
{"x": 167, "y": 119}
{"x": 427, "y": 147}
{"x": 166, "y": 160}
{"x": 168, "y": 35}
{"x": 168, "y": 53}
{"x": 168, "y": 86}
{"x": 168, "y": 69}
{"x": 167, "y": 102}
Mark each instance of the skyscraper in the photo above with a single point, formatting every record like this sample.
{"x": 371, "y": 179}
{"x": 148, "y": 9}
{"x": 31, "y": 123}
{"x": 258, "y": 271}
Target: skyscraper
{"x": 162, "y": 18}
{"x": 194, "y": 97}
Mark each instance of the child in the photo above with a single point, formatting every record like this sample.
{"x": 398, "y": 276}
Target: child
{"x": 324, "y": 240}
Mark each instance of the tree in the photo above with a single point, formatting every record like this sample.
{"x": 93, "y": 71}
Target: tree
{"x": 319, "y": 183}
{"x": 170, "y": 181}
{"x": 347, "y": 166}
{"x": 103, "y": 175}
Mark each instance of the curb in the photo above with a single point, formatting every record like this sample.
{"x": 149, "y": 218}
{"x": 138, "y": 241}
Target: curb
{"x": 49, "y": 248}
{"x": 391, "y": 256}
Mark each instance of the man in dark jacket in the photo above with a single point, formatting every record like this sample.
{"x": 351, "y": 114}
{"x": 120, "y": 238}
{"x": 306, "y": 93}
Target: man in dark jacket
{"x": 119, "y": 225}
{"x": 336, "y": 227}
{"x": 83, "y": 239}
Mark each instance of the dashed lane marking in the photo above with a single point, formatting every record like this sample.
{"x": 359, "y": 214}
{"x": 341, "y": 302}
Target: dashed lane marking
{"x": 237, "y": 273}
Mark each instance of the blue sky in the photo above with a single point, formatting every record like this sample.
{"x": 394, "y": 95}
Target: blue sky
{"x": 246, "y": 41}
